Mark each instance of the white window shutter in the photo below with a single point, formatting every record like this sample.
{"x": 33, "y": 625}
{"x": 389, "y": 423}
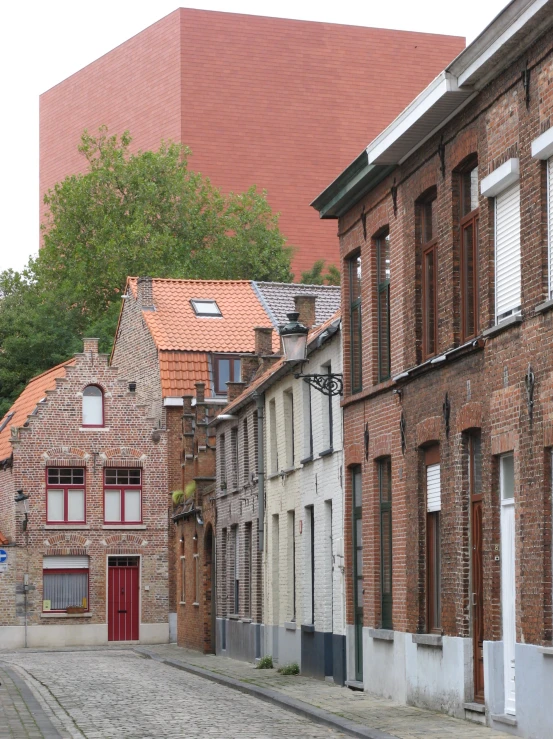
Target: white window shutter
{"x": 433, "y": 488}
{"x": 65, "y": 563}
{"x": 550, "y": 221}
{"x": 507, "y": 252}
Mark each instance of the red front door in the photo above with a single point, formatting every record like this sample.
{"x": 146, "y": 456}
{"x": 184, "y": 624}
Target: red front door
{"x": 123, "y": 599}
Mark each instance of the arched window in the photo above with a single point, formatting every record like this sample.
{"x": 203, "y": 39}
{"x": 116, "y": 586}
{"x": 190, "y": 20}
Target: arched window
{"x": 93, "y": 406}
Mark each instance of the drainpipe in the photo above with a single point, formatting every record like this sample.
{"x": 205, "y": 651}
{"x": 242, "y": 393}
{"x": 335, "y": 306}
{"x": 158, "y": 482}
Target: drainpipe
{"x": 260, "y": 403}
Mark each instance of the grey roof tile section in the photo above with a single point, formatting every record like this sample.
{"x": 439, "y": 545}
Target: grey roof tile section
{"x": 278, "y": 299}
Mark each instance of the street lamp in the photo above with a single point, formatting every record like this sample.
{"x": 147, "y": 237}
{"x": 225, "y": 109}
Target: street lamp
{"x": 22, "y": 502}
{"x": 294, "y": 343}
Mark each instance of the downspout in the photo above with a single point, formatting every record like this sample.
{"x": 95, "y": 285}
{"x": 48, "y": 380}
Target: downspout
{"x": 260, "y": 404}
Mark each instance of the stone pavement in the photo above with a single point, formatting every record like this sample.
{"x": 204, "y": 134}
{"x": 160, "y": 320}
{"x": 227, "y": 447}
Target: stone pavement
{"x": 117, "y": 693}
{"x": 382, "y": 717}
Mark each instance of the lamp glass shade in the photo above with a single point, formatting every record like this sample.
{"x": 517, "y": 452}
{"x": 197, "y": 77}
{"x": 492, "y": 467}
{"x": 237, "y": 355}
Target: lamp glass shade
{"x": 295, "y": 347}
{"x": 22, "y": 502}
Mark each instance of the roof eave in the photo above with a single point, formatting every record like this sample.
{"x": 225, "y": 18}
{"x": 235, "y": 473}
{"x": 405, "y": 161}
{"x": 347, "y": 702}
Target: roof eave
{"x": 349, "y": 187}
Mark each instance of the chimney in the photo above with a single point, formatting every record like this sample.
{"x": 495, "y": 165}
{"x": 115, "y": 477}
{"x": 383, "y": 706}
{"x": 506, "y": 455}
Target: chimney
{"x": 305, "y": 306}
{"x": 234, "y": 389}
{"x": 145, "y": 293}
{"x": 90, "y": 346}
{"x": 200, "y": 391}
{"x": 263, "y": 340}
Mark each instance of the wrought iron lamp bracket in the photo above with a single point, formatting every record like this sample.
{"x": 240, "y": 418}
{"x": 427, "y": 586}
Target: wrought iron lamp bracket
{"x": 330, "y": 384}
{"x": 530, "y": 382}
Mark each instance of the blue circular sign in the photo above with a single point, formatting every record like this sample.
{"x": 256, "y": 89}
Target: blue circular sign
{"x": 3, "y": 556}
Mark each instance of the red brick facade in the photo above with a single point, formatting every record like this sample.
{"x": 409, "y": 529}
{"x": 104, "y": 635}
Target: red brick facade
{"x": 250, "y": 96}
{"x": 53, "y": 436}
{"x": 477, "y": 390}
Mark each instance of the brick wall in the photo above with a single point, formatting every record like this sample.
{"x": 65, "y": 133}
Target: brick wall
{"x": 484, "y": 383}
{"x": 54, "y": 436}
{"x": 246, "y": 93}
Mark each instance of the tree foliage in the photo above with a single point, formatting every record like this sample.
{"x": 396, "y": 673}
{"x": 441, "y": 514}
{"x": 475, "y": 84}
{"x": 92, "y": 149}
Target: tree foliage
{"x": 315, "y": 276}
{"x": 128, "y": 214}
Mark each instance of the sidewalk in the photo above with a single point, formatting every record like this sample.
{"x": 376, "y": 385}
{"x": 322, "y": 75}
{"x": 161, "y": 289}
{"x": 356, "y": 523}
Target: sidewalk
{"x": 356, "y": 713}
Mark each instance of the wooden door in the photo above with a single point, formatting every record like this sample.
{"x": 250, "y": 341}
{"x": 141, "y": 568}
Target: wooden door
{"x": 477, "y": 570}
{"x": 123, "y": 599}
{"x": 358, "y": 573}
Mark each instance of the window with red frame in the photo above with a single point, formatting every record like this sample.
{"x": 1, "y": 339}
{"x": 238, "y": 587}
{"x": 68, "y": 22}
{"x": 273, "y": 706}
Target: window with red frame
{"x": 93, "y": 406}
{"x": 65, "y": 583}
{"x": 65, "y": 495}
{"x": 428, "y": 237}
{"x": 468, "y": 180}
{"x": 122, "y": 496}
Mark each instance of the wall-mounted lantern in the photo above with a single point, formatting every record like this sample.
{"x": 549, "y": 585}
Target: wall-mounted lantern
{"x": 22, "y": 502}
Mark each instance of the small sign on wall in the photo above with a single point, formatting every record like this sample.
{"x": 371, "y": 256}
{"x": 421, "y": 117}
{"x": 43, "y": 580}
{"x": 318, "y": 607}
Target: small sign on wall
{"x": 3, "y": 560}
{"x": 46, "y": 605}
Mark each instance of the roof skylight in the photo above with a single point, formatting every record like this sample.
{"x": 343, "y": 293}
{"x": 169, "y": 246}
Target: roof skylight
{"x": 206, "y": 308}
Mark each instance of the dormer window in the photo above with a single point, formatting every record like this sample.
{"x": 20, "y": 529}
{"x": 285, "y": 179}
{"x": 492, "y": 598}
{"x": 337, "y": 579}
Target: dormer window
{"x": 93, "y": 406}
{"x": 207, "y": 308}
{"x": 225, "y": 369}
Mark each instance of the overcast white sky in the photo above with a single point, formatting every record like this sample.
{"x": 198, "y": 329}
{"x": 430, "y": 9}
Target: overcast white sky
{"x": 44, "y": 41}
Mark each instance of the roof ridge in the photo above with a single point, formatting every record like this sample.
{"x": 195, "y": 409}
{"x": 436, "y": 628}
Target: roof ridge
{"x": 189, "y": 280}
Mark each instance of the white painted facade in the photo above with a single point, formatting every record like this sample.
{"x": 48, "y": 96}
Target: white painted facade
{"x": 305, "y": 488}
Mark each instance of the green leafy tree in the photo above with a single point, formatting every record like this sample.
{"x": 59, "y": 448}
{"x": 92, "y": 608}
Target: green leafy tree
{"x": 315, "y": 276}
{"x": 128, "y": 214}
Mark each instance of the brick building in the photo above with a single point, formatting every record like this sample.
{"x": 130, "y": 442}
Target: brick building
{"x": 445, "y": 226}
{"x": 88, "y": 563}
{"x": 246, "y": 93}
{"x": 182, "y": 341}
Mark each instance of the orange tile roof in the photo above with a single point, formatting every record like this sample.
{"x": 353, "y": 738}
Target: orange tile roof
{"x": 174, "y": 325}
{"x": 180, "y": 370}
{"x": 274, "y": 369}
{"x": 27, "y": 402}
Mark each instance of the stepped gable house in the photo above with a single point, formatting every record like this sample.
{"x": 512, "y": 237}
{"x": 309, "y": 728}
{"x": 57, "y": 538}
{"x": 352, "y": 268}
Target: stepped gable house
{"x": 245, "y": 93}
{"x": 87, "y": 560}
{"x": 182, "y": 341}
{"x": 446, "y": 224}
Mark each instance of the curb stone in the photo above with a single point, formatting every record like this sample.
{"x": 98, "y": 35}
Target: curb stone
{"x": 298, "y": 707}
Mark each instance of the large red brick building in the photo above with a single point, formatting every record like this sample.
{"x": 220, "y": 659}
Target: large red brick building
{"x": 282, "y": 104}
{"x": 446, "y": 235}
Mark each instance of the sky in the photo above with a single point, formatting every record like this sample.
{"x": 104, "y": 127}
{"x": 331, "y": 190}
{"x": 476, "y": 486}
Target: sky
{"x": 44, "y": 41}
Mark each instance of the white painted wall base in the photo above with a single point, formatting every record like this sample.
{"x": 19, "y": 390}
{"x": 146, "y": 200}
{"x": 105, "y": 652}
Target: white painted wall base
{"x": 439, "y": 679}
{"x": 173, "y": 628}
{"x": 74, "y": 635}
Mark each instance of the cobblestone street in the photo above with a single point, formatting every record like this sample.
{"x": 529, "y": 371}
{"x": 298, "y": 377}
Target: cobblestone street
{"x": 117, "y": 693}
{"x": 123, "y": 692}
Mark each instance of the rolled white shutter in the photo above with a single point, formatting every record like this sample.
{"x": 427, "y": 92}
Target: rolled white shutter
{"x": 507, "y": 252}
{"x": 433, "y": 489}
{"x": 550, "y": 220}
{"x": 65, "y": 563}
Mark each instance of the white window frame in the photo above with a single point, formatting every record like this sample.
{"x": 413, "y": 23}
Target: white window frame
{"x": 182, "y": 580}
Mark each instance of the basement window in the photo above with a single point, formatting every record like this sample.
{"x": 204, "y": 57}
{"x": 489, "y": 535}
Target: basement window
{"x": 206, "y": 308}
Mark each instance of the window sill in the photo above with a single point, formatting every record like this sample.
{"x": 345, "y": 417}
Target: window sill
{"x": 66, "y": 615}
{"x": 290, "y": 625}
{"x": 94, "y": 428}
{"x": 66, "y": 527}
{"x": 196, "y": 604}
{"x": 234, "y": 617}
{"x": 544, "y": 307}
{"x": 382, "y": 634}
{"x": 503, "y": 719}
{"x": 546, "y": 651}
{"x": 327, "y": 452}
{"x": 428, "y": 640}
{"x": 503, "y": 326}
{"x": 182, "y": 603}
{"x": 125, "y": 526}
{"x": 308, "y": 628}
{"x": 307, "y": 459}
{"x": 287, "y": 471}
{"x": 273, "y": 475}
